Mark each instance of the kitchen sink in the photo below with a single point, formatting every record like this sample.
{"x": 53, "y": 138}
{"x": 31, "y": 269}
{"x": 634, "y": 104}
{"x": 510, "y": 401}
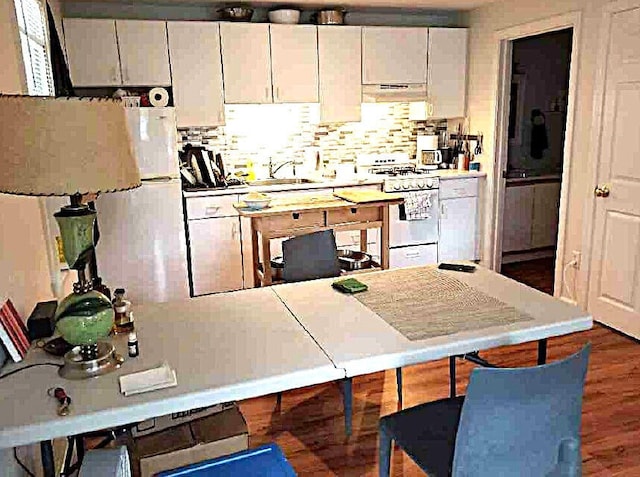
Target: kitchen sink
{"x": 267, "y": 182}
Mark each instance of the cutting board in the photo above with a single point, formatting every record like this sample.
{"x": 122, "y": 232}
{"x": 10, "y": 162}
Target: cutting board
{"x": 364, "y": 196}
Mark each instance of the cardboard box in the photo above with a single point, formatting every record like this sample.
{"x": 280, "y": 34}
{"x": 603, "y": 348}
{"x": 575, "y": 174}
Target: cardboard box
{"x": 212, "y": 436}
{"x": 157, "y": 424}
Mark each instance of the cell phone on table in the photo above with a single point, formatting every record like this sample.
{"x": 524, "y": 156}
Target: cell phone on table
{"x": 457, "y": 267}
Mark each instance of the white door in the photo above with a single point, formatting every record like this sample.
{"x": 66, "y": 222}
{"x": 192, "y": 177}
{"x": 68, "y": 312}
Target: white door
{"x": 447, "y": 77}
{"x": 340, "y": 71}
{"x": 153, "y": 138}
{"x": 216, "y": 257}
{"x": 142, "y": 245}
{"x": 144, "y": 53}
{"x": 246, "y": 57}
{"x": 614, "y": 285}
{"x": 294, "y": 63}
{"x": 196, "y": 73}
{"x": 394, "y": 55}
{"x": 458, "y": 229}
{"x": 518, "y": 217}
{"x": 92, "y": 52}
{"x": 546, "y": 213}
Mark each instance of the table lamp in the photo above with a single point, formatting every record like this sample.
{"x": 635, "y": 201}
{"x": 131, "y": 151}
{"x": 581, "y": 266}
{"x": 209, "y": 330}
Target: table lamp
{"x": 71, "y": 147}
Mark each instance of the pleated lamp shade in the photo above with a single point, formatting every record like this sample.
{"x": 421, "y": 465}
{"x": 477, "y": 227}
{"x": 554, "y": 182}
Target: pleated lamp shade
{"x": 64, "y": 146}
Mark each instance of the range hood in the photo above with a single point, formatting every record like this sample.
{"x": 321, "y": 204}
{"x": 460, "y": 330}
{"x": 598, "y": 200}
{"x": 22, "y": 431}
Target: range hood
{"x": 386, "y": 93}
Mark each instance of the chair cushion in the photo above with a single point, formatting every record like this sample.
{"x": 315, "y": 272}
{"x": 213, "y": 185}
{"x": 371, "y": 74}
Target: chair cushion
{"x": 427, "y": 433}
{"x": 310, "y": 256}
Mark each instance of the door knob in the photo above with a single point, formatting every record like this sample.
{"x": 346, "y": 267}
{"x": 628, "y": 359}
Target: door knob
{"x": 602, "y": 191}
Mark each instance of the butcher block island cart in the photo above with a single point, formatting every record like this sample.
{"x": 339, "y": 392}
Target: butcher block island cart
{"x": 300, "y": 215}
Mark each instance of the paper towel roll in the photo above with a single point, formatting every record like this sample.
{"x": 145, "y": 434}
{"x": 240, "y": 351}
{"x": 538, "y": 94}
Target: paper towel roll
{"x": 158, "y": 97}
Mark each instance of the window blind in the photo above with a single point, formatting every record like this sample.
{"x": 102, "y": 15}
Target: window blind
{"x": 35, "y": 46}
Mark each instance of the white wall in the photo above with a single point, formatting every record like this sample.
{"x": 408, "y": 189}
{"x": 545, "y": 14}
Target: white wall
{"x": 484, "y": 23}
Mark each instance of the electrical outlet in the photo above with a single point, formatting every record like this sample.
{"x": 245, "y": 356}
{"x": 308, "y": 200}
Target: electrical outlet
{"x": 576, "y": 255}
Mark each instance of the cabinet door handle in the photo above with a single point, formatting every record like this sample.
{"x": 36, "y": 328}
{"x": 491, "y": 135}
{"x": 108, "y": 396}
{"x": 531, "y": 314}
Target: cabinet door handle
{"x": 277, "y": 93}
{"x": 443, "y": 210}
{"x": 413, "y": 254}
{"x": 211, "y": 210}
{"x": 220, "y": 117}
{"x": 266, "y": 93}
{"x": 125, "y": 74}
{"x": 234, "y": 230}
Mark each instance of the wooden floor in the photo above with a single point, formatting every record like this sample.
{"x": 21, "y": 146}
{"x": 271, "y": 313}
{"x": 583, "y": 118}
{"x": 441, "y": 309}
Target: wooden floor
{"x": 537, "y": 273}
{"x": 309, "y": 427}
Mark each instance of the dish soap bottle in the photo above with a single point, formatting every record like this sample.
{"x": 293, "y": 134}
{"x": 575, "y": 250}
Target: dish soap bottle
{"x": 251, "y": 173}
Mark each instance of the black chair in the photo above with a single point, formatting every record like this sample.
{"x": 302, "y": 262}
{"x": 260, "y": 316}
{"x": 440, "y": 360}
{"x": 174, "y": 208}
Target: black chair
{"x": 310, "y": 256}
{"x": 513, "y": 422}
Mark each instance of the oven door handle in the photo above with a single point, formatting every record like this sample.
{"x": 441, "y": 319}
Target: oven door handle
{"x": 443, "y": 210}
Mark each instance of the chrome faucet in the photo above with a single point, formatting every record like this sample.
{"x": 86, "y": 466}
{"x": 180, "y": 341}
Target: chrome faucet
{"x": 272, "y": 170}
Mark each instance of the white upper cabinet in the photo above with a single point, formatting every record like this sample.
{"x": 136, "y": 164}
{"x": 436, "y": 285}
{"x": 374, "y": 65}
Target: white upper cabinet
{"x": 339, "y": 56}
{"x": 92, "y": 51}
{"x": 294, "y": 63}
{"x": 196, "y": 73}
{"x": 246, "y": 58}
{"x": 392, "y": 55}
{"x": 144, "y": 54}
{"x": 447, "y": 78}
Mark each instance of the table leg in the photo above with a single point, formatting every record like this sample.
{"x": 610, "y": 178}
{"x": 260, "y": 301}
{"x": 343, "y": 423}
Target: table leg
{"x": 347, "y": 398}
{"x": 452, "y": 376}
{"x": 363, "y": 240}
{"x": 399, "y": 386}
{"x": 266, "y": 259}
{"x": 46, "y": 451}
{"x": 542, "y": 351}
{"x": 255, "y": 253}
{"x": 384, "y": 239}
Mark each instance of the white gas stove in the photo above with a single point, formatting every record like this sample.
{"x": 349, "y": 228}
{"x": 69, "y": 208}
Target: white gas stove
{"x": 413, "y": 234}
{"x": 400, "y": 174}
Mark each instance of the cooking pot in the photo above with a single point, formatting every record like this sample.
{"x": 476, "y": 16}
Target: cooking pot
{"x": 334, "y": 16}
{"x": 353, "y": 260}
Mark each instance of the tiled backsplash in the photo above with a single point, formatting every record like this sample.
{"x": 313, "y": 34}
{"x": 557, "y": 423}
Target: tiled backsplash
{"x": 257, "y": 132}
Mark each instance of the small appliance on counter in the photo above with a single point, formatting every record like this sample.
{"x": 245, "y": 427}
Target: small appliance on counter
{"x": 202, "y": 169}
{"x": 429, "y": 155}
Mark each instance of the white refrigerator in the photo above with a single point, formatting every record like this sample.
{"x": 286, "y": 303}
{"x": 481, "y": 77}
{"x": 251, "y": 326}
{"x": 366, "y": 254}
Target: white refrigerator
{"x": 142, "y": 246}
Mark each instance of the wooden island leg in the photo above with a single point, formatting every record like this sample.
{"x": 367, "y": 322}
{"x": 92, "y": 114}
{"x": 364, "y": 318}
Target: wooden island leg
{"x": 363, "y": 240}
{"x": 266, "y": 259}
{"x": 255, "y": 254}
{"x": 384, "y": 239}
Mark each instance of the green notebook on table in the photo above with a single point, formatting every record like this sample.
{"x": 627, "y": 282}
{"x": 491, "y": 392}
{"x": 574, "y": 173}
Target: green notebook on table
{"x": 349, "y": 285}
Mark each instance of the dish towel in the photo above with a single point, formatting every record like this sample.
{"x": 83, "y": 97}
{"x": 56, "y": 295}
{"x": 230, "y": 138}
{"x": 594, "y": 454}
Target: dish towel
{"x": 417, "y": 206}
{"x": 149, "y": 380}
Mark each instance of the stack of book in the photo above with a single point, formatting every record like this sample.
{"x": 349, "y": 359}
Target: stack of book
{"x": 13, "y": 332}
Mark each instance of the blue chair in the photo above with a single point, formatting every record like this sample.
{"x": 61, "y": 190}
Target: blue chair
{"x": 512, "y": 421}
{"x": 310, "y": 256}
{"x": 264, "y": 461}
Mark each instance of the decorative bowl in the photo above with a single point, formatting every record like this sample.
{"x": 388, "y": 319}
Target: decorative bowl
{"x": 287, "y": 16}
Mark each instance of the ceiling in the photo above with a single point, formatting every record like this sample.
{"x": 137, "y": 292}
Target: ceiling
{"x": 360, "y": 4}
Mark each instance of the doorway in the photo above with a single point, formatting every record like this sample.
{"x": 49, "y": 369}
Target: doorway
{"x": 533, "y": 150}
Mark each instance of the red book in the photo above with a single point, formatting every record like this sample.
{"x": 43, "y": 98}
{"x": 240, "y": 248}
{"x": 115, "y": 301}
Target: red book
{"x": 22, "y": 329}
{"x": 14, "y": 327}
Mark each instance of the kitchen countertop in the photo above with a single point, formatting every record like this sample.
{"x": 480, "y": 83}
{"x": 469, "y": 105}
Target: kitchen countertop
{"x": 533, "y": 179}
{"x": 368, "y": 179}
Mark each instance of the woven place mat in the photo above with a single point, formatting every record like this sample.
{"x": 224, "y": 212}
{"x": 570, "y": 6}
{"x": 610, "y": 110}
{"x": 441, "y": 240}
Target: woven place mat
{"x": 424, "y": 303}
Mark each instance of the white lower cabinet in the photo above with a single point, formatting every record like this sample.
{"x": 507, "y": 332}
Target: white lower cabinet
{"x": 458, "y": 229}
{"x": 459, "y": 205}
{"x": 216, "y": 255}
{"x": 413, "y": 256}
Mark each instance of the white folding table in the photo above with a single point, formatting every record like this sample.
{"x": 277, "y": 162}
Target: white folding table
{"x": 255, "y": 342}
{"x": 360, "y": 342}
